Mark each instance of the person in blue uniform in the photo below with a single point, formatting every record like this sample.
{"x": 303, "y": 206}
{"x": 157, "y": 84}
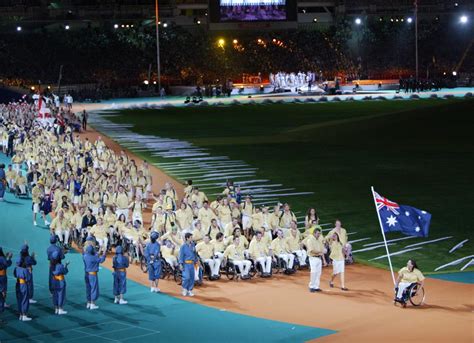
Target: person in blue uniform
{"x": 120, "y": 264}
{"x": 5, "y": 262}
{"x": 49, "y": 252}
{"x": 152, "y": 255}
{"x": 58, "y": 282}
{"x": 187, "y": 259}
{"x": 23, "y": 276}
{"x": 91, "y": 268}
{"x": 30, "y": 261}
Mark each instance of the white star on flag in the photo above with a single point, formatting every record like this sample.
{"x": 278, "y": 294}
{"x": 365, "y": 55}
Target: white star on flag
{"x": 417, "y": 229}
{"x": 407, "y": 213}
{"x": 391, "y": 221}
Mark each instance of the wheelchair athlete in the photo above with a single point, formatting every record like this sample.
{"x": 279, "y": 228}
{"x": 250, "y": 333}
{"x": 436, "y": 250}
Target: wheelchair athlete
{"x": 260, "y": 253}
{"x": 206, "y": 252}
{"x": 407, "y": 276}
{"x": 234, "y": 255}
{"x": 282, "y": 251}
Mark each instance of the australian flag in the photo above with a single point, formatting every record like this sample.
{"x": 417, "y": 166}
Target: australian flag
{"x": 405, "y": 219}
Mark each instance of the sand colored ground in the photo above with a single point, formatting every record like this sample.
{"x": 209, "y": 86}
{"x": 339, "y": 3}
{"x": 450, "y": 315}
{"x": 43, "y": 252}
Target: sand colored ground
{"x": 363, "y": 314}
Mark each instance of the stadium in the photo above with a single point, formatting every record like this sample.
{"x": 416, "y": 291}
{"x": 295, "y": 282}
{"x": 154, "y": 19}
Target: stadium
{"x": 280, "y": 171}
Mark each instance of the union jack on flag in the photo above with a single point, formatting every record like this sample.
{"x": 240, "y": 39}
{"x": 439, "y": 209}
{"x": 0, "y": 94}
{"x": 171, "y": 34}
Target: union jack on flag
{"x": 384, "y": 202}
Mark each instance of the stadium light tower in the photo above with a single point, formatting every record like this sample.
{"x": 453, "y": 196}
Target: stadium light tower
{"x": 416, "y": 39}
{"x": 157, "y": 24}
{"x": 463, "y": 19}
{"x": 358, "y": 21}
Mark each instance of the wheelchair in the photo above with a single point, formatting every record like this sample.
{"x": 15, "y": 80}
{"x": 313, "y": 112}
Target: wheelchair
{"x": 24, "y": 195}
{"x": 166, "y": 269}
{"x": 415, "y": 294}
{"x": 232, "y": 271}
{"x": 206, "y": 271}
{"x": 297, "y": 264}
{"x": 77, "y": 238}
{"x": 279, "y": 266}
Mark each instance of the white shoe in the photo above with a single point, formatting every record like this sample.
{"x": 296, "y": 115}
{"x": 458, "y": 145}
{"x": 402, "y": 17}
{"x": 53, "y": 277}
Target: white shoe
{"x": 152, "y": 289}
{"x": 25, "y": 318}
{"x": 184, "y": 292}
{"x": 56, "y": 311}
{"x": 190, "y": 293}
{"x": 93, "y": 307}
{"x": 116, "y": 301}
{"x": 60, "y": 312}
{"x": 32, "y": 301}
{"x": 123, "y": 302}
{"x": 157, "y": 290}
{"x": 88, "y": 305}
{"x": 34, "y": 223}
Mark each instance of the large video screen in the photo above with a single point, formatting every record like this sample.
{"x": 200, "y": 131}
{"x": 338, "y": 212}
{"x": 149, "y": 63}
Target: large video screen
{"x": 252, "y": 10}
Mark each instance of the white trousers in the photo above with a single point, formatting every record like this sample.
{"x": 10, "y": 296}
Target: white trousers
{"x": 246, "y": 222}
{"x": 288, "y": 258}
{"x": 139, "y": 192}
{"x": 266, "y": 263}
{"x": 219, "y": 255}
{"x": 102, "y": 242}
{"x": 315, "y": 267}
{"x": 214, "y": 265}
{"x": 172, "y": 261}
{"x": 401, "y": 288}
{"x": 63, "y": 235}
{"x": 137, "y": 216}
{"x": 22, "y": 189}
{"x": 243, "y": 266}
{"x": 302, "y": 254}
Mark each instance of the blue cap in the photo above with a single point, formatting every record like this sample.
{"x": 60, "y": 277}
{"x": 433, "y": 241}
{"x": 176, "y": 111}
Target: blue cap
{"x": 154, "y": 235}
{"x": 53, "y": 239}
{"x": 119, "y": 250}
{"x": 89, "y": 238}
{"x": 55, "y": 255}
{"x": 24, "y": 248}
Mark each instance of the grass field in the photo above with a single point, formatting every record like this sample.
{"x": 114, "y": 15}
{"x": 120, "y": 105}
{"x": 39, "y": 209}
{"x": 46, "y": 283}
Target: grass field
{"x": 418, "y": 153}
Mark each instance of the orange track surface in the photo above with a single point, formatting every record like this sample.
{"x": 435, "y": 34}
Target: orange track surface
{"x": 363, "y": 314}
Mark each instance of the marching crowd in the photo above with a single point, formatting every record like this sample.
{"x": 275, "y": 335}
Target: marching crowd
{"x": 97, "y": 199}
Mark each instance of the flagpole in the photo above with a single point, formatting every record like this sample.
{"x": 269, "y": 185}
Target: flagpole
{"x": 383, "y": 235}
{"x": 158, "y": 62}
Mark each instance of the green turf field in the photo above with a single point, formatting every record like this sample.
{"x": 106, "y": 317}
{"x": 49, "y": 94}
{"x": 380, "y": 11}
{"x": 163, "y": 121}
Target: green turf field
{"x": 418, "y": 153}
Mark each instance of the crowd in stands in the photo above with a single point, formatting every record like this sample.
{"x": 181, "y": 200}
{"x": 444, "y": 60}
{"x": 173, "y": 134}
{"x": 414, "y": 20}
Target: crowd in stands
{"x": 118, "y": 60}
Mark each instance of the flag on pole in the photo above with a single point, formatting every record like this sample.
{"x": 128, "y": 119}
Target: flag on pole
{"x": 401, "y": 218}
